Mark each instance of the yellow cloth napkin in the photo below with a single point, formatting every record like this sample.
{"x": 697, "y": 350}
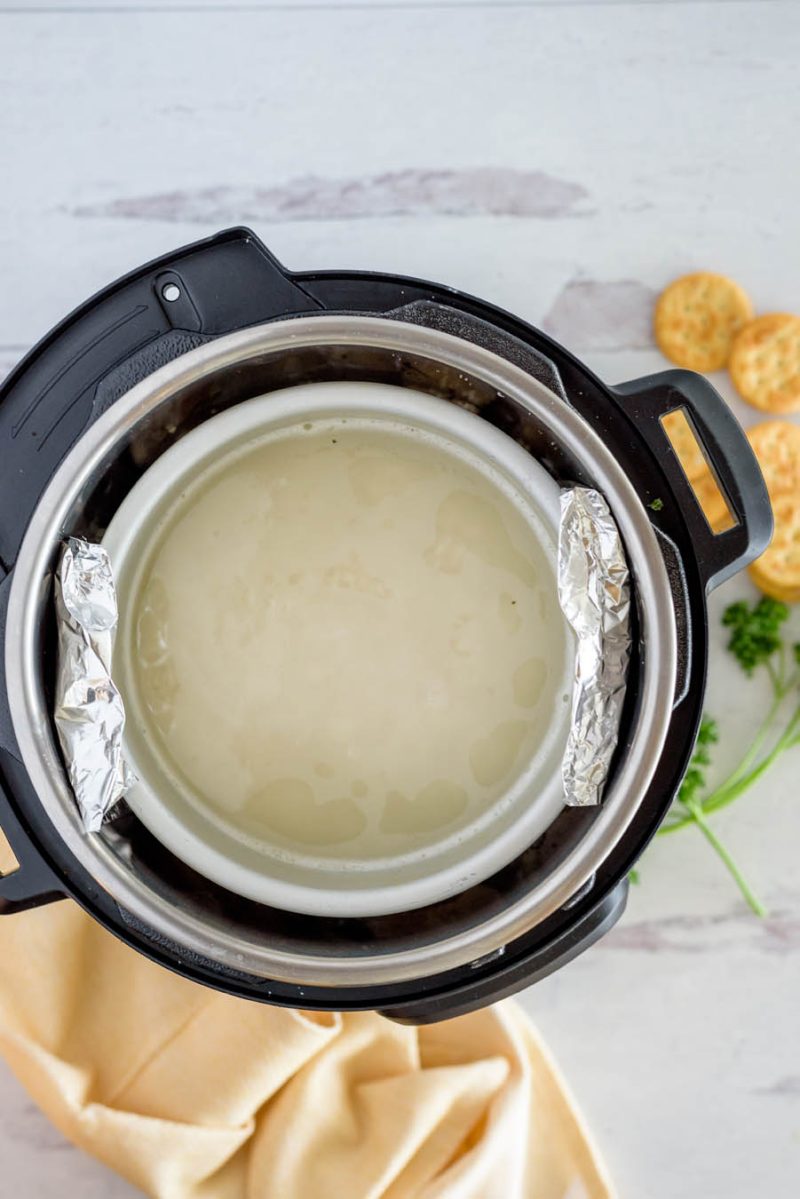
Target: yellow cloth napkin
{"x": 194, "y": 1095}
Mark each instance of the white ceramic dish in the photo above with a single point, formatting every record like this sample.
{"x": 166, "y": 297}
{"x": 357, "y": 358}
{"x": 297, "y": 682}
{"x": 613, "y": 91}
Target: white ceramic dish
{"x": 298, "y": 882}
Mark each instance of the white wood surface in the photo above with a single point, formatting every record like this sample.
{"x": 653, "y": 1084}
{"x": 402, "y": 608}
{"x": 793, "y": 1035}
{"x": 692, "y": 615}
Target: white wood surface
{"x": 564, "y": 160}
{"x": 223, "y": 6}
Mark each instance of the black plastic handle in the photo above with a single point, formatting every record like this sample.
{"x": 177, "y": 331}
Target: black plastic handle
{"x": 32, "y": 883}
{"x": 515, "y": 973}
{"x": 729, "y": 456}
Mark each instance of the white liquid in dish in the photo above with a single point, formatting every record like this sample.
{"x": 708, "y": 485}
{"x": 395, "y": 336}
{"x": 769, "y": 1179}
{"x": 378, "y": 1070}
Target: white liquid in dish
{"x": 346, "y": 642}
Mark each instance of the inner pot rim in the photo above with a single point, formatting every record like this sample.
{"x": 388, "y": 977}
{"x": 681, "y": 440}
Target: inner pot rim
{"x": 33, "y": 724}
{"x": 441, "y": 871}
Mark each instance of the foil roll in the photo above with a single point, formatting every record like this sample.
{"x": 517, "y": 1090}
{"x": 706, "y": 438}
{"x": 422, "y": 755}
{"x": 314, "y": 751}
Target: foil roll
{"x": 595, "y": 597}
{"x": 89, "y": 712}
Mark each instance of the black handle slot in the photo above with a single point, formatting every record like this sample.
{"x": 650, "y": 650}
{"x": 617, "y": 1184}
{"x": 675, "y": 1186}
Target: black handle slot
{"x": 731, "y": 461}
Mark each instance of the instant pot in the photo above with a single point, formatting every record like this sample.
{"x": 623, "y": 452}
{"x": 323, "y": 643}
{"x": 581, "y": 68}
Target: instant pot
{"x": 192, "y": 334}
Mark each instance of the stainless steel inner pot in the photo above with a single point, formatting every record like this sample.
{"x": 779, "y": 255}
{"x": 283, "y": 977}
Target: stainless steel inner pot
{"x": 176, "y": 398}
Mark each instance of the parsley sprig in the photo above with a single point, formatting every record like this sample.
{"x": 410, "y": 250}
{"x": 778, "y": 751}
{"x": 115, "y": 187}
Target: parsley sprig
{"x": 757, "y": 642}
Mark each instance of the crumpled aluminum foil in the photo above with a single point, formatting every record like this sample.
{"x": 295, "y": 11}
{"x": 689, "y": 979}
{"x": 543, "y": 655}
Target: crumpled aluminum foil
{"x": 89, "y": 713}
{"x": 594, "y": 593}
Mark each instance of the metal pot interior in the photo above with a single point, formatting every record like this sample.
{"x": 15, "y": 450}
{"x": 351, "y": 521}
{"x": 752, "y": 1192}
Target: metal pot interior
{"x": 163, "y": 893}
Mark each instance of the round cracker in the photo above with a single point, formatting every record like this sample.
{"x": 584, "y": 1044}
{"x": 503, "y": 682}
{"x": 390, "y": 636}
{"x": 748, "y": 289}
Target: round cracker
{"x": 776, "y": 445}
{"x": 765, "y": 362}
{"x": 698, "y": 316}
{"x": 713, "y": 503}
{"x": 685, "y": 445}
{"x": 777, "y": 571}
{"x": 767, "y": 585}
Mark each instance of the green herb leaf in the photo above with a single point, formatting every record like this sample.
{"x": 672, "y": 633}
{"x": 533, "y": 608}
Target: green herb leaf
{"x": 755, "y": 631}
{"x": 694, "y": 781}
{"x": 756, "y": 640}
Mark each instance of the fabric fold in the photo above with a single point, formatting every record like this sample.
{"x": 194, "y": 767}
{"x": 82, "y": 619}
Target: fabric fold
{"x": 191, "y": 1094}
